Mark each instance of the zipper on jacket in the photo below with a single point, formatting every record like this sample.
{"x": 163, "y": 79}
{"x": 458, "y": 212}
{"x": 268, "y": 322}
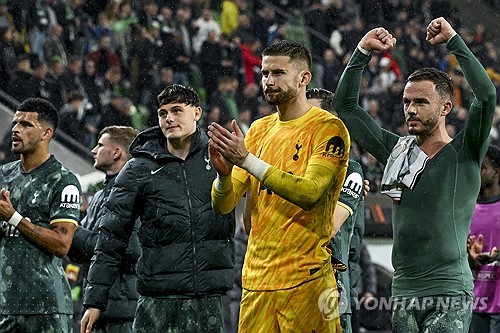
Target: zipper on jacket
{"x": 193, "y": 235}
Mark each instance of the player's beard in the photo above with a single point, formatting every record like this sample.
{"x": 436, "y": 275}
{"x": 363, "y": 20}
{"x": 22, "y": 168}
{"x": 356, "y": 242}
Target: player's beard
{"x": 427, "y": 126}
{"x": 281, "y": 97}
{"x": 25, "y": 147}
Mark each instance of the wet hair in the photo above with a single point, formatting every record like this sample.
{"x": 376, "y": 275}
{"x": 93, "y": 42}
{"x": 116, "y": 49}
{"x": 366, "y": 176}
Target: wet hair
{"x": 326, "y": 97}
{"x": 493, "y": 154}
{"x": 441, "y": 80}
{"x": 121, "y": 135}
{"x": 45, "y": 110}
{"x": 296, "y": 51}
{"x": 177, "y": 93}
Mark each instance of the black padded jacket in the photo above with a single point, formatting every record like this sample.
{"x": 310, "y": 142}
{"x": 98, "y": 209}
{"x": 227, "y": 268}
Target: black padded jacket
{"x": 187, "y": 249}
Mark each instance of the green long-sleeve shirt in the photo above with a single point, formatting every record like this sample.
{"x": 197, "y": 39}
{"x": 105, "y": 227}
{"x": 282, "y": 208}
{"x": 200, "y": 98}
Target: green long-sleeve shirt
{"x": 432, "y": 221}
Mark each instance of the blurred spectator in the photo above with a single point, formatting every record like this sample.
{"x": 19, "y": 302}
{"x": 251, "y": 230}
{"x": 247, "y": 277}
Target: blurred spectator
{"x": 6, "y": 18}
{"x": 112, "y": 83}
{"x": 251, "y": 60}
{"x": 166, "y": 22}
{"x": 316, "y": 19}
{"x": 40, "y": 17}
{"x": 56, "y": 70}
{"x": 223, "y": 98}
{"x": 177, "y": 59}
{"x": 101, "y": 28}
{"x": 20, "y": 86}
{"x": 232, "y": 61}
{"x": 262, "y": 22}
{"x": 89, "y": 81}
{"x": 204, "y": 25}
{"x": 71, "y": 77}
{"x": 385, "y": 77}
{"x": 72, "y": 119}
{"x": 184, "y": 30}
{"x": 104, "y": 57}
{"x": 42, "y": 85}
{"x": 8, "y": 58}
{"x": 244, "y": 31}
{"x": 116, "y": 112}
{"x": 332, "y": 69}
{"x": 211, "y": 62}
{"x": 373, "y": 110}
{"x": 54, "y": 46}
{"x": 229, "y": 16}
{"x": 148, "y": 13}
{"x": 70, "y": 15}
{"x": 122, "y": 30}
{"x": 249, "y": 100}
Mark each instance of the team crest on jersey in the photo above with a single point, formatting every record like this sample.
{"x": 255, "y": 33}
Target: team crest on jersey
{"x": 70, "y": 197}
{"x": 298, "y": 146}
{"x": 335, "y": 147}
{"x": 353, "y": 185}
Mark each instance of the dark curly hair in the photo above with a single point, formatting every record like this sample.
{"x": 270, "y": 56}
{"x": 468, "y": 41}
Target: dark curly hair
{"x": 45, "y": 110}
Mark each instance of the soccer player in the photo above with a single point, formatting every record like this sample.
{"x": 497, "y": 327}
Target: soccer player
{"x": 484, "y": 241}
{"x": 294, "y": 162}
{"x": 40, "y": 209}
{"x": 349, "y": 216}
{"x": 187, "y": 259}
{"x": 433, "y": 180}
{"x": 110, "y": 155}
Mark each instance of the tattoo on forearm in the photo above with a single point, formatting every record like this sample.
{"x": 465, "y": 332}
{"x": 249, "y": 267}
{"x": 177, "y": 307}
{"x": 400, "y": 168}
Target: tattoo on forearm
{"x": 36, "y": 230}
{"x": 63, "y": 230}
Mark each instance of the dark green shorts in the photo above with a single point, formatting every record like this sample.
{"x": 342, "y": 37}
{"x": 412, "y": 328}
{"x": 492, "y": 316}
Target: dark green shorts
{"x": 444, "y": 314}
{"x": 44, "y": 323}
{"x": 173, "y": 315}
{"x": 125, "y": 327}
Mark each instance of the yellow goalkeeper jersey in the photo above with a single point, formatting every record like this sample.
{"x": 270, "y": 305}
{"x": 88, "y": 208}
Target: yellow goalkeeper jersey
{"x": 292, "y": 208}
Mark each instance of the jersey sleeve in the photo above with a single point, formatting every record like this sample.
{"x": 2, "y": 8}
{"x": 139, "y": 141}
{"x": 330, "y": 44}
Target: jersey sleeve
{"x": 224, "y": 202}
{"x": 482, "y": 109}
{"x": 330, "y": 155}
{"x": 362, "y": 128}
{"x": 65, "y": 205}
{"x": 352, "y": 190}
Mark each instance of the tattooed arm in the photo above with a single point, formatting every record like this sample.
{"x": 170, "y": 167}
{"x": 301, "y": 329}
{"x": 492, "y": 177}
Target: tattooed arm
{"x": 56, "y": 240}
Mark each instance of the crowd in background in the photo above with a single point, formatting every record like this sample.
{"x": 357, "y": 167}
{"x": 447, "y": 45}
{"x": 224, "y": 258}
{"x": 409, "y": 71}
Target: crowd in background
{"x": 102, "y": 63}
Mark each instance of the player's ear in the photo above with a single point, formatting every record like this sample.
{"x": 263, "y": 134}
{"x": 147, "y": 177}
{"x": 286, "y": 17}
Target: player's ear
{"x": 446, "y": 108}
{"x": 197, "y": 113}
{"x": 305, "y": 78}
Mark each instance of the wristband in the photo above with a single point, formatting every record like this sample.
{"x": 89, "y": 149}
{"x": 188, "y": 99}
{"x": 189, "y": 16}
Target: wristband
{"x": 15, "y": 219}
{"x": 223, "y": 183}
{"x": 255, "y": 166}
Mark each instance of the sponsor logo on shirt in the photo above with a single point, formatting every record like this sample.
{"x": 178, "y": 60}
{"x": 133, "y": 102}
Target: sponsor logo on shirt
{"x": 353, "y": 185}
{"x": 70, "y": 197}
{"x": 335, "y": 147}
